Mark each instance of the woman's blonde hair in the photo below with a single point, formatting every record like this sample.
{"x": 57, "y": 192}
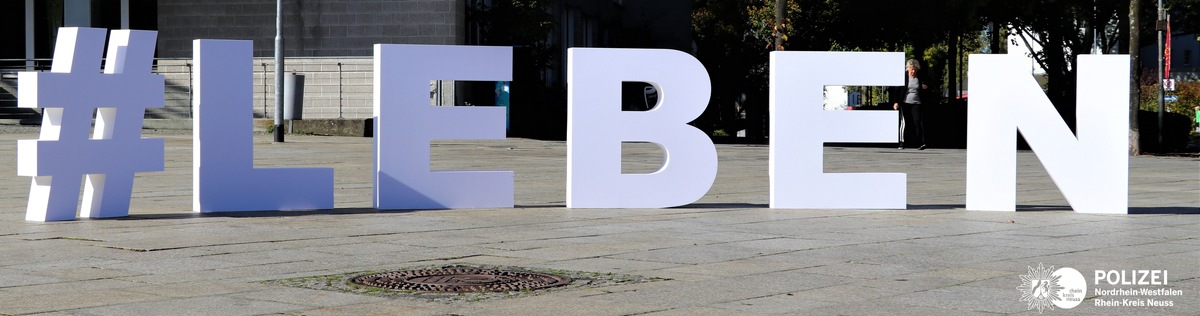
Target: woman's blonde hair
{"x": 913, "y": 63}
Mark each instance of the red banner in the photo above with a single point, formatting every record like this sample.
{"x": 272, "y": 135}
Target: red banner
{"x": 1167, "y": 52}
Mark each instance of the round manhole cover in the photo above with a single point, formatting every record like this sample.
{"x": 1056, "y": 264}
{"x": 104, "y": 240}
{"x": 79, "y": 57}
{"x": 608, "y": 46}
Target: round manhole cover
{"x": 461, "y": 280}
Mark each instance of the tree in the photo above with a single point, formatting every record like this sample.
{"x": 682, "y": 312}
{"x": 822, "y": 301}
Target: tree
{"x": 1143, "y": 15}
{"x": 734, "y": 37}
{"x": 520, "y": 23}
{"x": 525, "y": 25}
{"x": 736, "y": 63}
{"x": 1063, "y": 29}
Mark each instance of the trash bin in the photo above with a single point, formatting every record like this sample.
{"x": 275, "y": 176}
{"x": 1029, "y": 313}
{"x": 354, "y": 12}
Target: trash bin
{"x": 293, "y": 96}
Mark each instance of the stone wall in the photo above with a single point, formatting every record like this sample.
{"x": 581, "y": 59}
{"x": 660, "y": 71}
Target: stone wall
{"x": 333, "y": 88}
{"x": 311, "y": 27}
{"x": 330, "y": 91}
{"x": 329, "y": 41}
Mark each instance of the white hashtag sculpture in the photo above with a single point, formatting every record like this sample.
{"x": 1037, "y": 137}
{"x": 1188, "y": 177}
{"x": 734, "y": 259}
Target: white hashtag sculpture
{"x": 64, "y": 154}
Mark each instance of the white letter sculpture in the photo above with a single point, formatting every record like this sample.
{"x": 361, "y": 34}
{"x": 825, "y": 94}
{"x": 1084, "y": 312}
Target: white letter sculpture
{"x": 224, "y": 178}
{"x": 596, "y": 127}
{"x": 800, "y": 127}
{"x": 1092, "y": 171}
{"x": 64, "y": 154}
{"x": 405, "y": 123}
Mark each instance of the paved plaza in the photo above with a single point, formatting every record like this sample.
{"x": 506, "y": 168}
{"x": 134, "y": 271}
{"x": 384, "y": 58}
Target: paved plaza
{"x": 727, "y": 254}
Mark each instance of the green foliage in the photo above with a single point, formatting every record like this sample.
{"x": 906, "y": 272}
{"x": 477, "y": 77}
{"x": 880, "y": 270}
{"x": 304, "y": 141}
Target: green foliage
{"x": 1185, "y": 18}
{"x": 858, "y": 25}
{"x": 1188, "y": 93}
{"x": 515, "y": 22}
{"x": 870, "y": 95}
{"x": 1185, "y": 15}
{"x": 763, "y": 25}
{"x": 1063, "y": 29}
{"x": 520, "y": 23}
{"x": 714, "y": 20}
{"x": 736, "y": 61}
{"x": 734, "y": 38}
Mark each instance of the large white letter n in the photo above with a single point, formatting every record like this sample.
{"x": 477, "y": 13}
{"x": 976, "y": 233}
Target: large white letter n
{"x": 1092, "y": 171}
{"x": 596, "y": 127}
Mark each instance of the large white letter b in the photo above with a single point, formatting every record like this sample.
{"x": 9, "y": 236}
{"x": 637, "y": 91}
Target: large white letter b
{"x": 596, "y": 127}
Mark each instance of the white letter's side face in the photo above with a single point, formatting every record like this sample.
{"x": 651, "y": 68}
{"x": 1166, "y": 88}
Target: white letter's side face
{"x": 224, "y": 178}
{"x": 596, "y": 127}
{"x": 65, "y": 153}
{"x": 1091, "y": 170}
{"x": 405, "y": 124}
{"x": 800, "y": 127}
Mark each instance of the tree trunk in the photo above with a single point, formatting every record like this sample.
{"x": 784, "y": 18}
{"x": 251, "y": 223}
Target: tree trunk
{"x": 779, "y": 24}
{"x": 951, "y": 65}
{"x": 1135, "y": 88}
{"x": 994, "y": 39}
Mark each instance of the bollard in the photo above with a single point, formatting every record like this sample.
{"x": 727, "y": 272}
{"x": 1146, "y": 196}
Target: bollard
{"x": 293, "y": 97}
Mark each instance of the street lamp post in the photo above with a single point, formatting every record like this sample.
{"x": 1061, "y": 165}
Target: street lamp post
{"x": 278, "y": 71}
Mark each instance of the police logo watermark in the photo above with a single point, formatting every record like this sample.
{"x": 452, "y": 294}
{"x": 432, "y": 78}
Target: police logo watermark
{"x": 1045, "y": 288}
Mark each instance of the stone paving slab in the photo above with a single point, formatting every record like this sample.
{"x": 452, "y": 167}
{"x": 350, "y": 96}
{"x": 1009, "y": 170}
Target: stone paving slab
{"x": 727, "y": 254}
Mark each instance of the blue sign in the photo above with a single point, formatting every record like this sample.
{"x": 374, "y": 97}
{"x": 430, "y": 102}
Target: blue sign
{"x": 1170, "y": 98}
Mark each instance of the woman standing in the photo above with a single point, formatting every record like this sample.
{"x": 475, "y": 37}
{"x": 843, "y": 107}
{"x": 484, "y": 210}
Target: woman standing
{"x": 908, "y": 100}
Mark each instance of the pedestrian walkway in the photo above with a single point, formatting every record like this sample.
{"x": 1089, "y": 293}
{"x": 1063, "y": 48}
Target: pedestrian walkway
{"x": 727, "y": 254}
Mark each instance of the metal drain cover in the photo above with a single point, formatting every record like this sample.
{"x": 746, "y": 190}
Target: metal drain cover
{"x": 461, "y": 280}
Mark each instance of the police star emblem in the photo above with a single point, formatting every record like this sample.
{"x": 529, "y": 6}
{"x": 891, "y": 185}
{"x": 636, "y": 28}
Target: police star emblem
{"x": 1040, "y": 288}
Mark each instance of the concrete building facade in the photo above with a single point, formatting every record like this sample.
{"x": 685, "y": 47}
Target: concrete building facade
{"x": 312, "y": 28}
{"x": 331, "y": 42}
